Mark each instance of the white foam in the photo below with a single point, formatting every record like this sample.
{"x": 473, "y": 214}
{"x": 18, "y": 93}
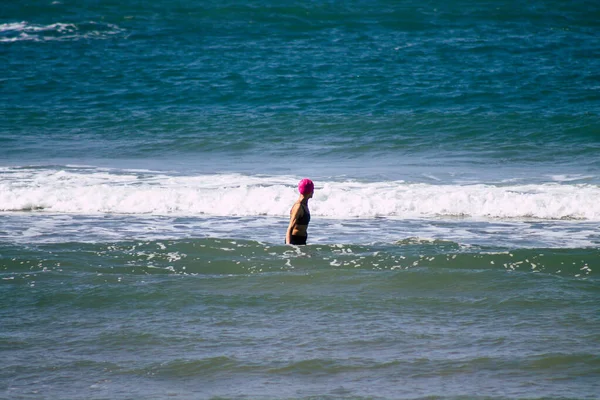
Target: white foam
{"x": 25, "y": 31}
{"x": 136, "y": 192}
{"x": 13, "y": 26}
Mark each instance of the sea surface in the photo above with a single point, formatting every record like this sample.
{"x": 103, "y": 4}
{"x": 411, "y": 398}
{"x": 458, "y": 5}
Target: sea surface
{"x": 149, "y": 156}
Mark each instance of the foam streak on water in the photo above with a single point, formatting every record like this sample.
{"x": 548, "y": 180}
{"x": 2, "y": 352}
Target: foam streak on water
{"x": 24, "y": 31}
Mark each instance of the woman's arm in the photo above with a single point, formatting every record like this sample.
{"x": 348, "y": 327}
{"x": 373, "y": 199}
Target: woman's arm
{"x": 294, "y": 215}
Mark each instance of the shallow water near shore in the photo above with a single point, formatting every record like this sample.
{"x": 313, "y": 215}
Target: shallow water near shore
{"x": 230, "y": 318}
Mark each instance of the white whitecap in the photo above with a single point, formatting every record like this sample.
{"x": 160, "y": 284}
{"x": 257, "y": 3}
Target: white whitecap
{"x": 100, "y": 191}
{"x": 58, "y": 31}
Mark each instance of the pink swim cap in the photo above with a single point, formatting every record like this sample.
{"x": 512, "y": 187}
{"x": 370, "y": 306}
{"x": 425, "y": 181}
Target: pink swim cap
{"x": 306, "y": 186}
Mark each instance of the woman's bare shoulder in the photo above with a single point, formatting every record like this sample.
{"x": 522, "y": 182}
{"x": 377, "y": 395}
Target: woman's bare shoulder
{"x": 296, "y": 208}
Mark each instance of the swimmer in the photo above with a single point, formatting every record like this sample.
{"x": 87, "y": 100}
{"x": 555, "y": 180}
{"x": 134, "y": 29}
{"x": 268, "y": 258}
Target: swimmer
{"x": 300, "y": 215}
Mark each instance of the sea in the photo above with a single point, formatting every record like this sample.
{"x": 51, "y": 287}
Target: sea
{"x": 149, "y": 157}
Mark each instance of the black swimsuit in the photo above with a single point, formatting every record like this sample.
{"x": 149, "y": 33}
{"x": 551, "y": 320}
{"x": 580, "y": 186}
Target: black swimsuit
{"x": 303, "y": 220}
{"x": 296, "y": 239}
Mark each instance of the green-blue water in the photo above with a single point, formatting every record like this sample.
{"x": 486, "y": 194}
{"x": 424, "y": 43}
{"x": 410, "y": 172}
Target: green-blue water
{"x": 149, "y": 153}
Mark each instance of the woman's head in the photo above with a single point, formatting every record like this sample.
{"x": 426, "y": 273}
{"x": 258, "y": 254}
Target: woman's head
{"x": 306, "y": 186}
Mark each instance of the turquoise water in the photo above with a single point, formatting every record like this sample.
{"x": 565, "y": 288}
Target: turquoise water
{"x": 149, "y": 153}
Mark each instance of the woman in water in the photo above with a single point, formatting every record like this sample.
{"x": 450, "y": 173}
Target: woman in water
{"x": 300, "y": 216}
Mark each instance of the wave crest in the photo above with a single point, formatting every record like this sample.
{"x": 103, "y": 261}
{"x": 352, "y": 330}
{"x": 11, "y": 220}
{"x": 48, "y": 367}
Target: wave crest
{"x": 25, "y": 31}
{"x": 95, "y": 191}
